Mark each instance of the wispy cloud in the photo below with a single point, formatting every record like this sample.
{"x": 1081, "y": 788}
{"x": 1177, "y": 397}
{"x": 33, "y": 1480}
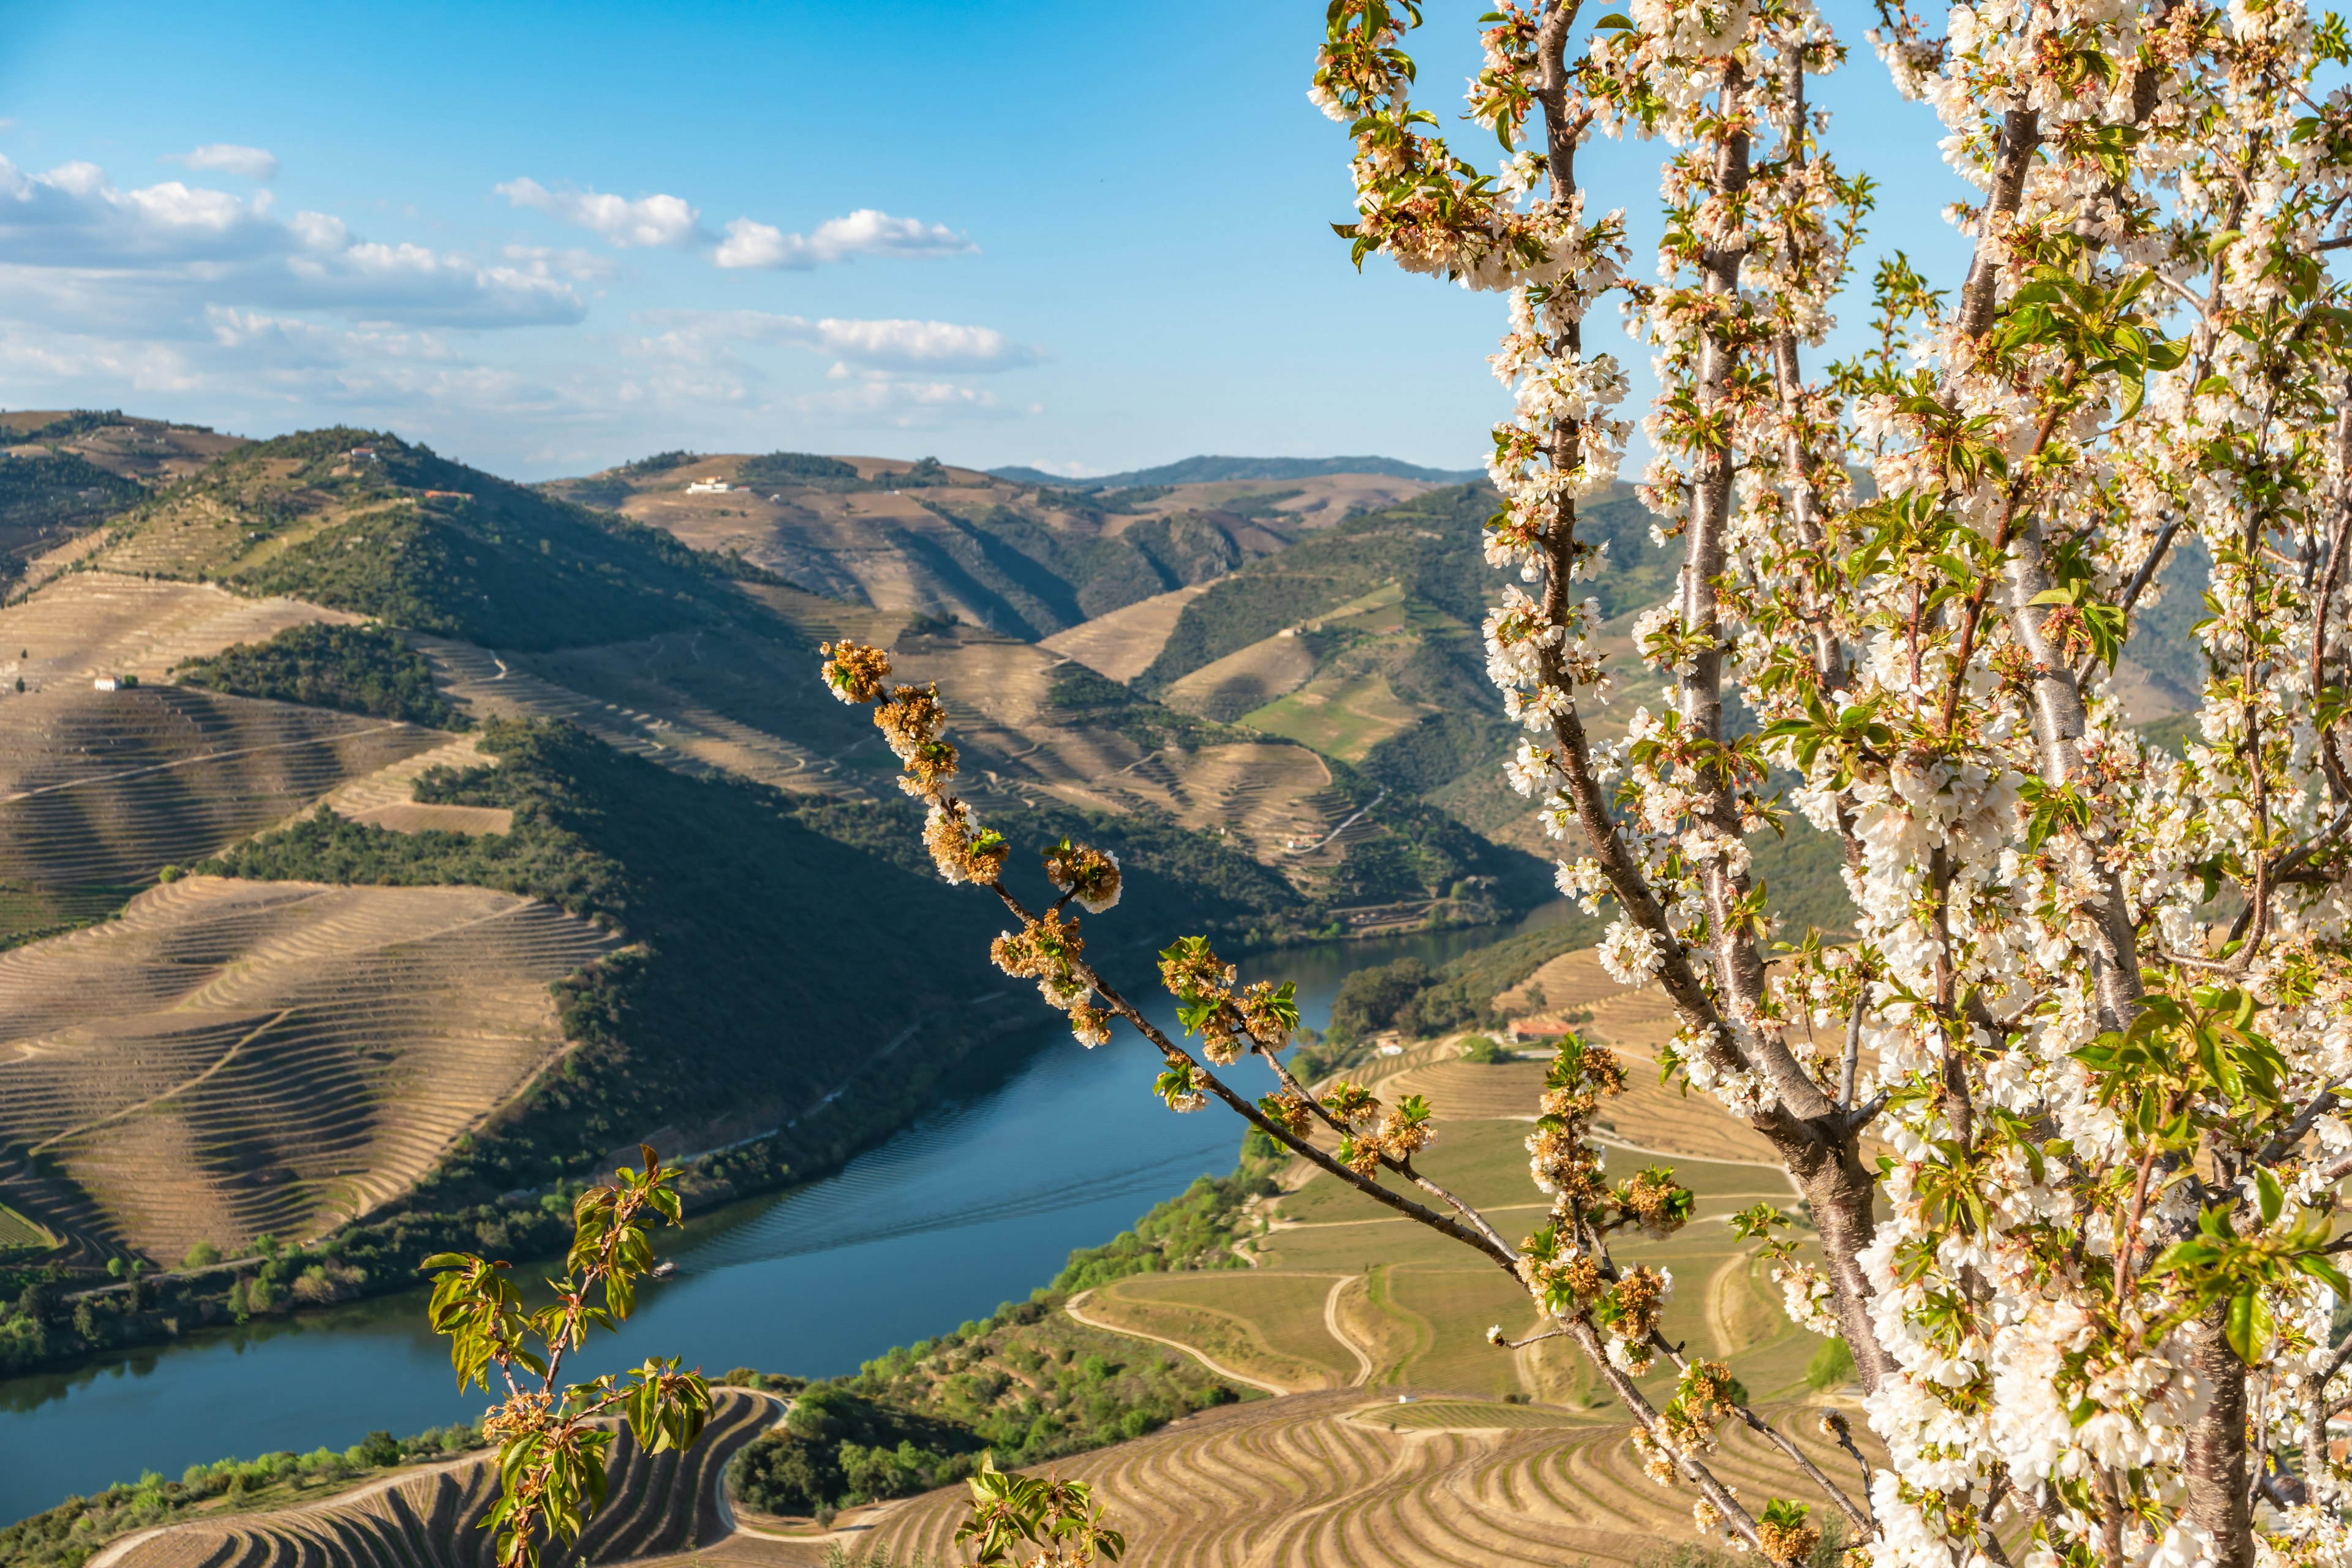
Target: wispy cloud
{"x": 865, "y": 232}
{"x": 886, "y": 344}
{"x": 647, "y": 222}
{"x": 228, "y": 158}
{"x": 72, "y": 242}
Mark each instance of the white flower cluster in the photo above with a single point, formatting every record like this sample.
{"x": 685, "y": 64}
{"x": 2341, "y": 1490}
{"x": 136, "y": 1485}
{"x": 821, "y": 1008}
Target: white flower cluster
{"x": 1919, "y": 577}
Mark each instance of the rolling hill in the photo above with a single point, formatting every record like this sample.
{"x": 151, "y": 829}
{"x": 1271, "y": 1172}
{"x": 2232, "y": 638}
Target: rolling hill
{"x": 1022, "y": 559}
{"x": 62, "y": 472}
{"x": 230, "y": 1059}
{"x": 1221, "y": 470}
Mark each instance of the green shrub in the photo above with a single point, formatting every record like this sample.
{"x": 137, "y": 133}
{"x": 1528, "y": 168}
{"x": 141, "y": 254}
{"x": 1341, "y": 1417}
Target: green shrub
{"x": 355, "y": 669}
{"x": 1832, "y": 1366}
{"x": 1485, "y": 1052}
{"x": 202, "y": 1255}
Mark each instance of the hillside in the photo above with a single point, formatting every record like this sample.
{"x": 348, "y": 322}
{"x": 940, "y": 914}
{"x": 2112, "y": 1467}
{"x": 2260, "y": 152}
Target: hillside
{"x": 1022, "y": 559}
{"x": 230, "y": 1059}
{"x": 431, "y": 1517}
{"x": 363, "y": 521}
{"x": 325, "y": 597}
{"x": 1220, "y": 471}
{"x": 62, "y": 472}
{"x": 100, "y": 790}
{"x": 525, "y": 605}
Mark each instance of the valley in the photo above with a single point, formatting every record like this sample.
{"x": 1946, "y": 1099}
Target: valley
{"x": 607, "y": 715}
{"x": 385, "y": 847}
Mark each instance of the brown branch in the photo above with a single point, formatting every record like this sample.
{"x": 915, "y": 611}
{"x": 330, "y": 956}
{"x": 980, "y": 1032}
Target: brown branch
{"x": 1859, "y": 1518}
{"x": 1242, "y": 1105}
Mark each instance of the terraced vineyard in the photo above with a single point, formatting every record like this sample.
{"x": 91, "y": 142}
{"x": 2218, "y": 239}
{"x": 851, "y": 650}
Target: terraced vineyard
{"x": 230, "y": 1059}
{"x": 1334, "y": 1477}
{"x": 1123, "y": 643}
{"x": 659, "y": 1505}
{"x": 101, "y": 788}
{"x": 88, "y": 624}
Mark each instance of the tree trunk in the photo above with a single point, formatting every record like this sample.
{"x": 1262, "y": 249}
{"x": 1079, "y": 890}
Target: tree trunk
{"x": 1838, "y": 1189}
{"x": 2215, "y": 1465}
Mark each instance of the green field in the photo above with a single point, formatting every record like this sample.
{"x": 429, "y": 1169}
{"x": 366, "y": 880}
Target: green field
{"x": 1417, "y": 1305}
{"x": 15, "y": 1230}
{"x": 1280, "y": 1315}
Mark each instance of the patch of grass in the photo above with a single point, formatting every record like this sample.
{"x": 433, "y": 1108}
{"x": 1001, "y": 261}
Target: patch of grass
{"x": 1344, "y": 718}
{"x": 17, "y": 1231}
{"x": 1831, "y": 1367}
{"x": 1237, "y": 1339}
{"x": 1282, "y": 1314}
{"x": 356, "y": 669}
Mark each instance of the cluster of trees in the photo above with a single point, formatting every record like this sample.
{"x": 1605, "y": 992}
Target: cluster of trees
{"x": 1195, "y": 1229}
{"x": 355, "y": 669}
{"x": 1027, "y": 1384}
{"x": 55, "y": 1319}
{"x": 1409, "y": 996}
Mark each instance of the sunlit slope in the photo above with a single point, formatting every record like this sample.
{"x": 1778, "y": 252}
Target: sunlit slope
{"x": 90, "y": 624}
{"x": 63, "y": 471}
{"x": 101, "y": 788}
{"x": 658, "y": 1504}
{"x": 1026, "y": 559}
{"x": 1335, "y": 1478}
{"x": 230, "y": 1059}
{"x": 1123, "y": 643}
{"x": 365, "y": 522}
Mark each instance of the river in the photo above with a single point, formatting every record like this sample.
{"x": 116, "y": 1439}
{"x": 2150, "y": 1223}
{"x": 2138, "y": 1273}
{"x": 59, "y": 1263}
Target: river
{"x": 1037, "y": 1146}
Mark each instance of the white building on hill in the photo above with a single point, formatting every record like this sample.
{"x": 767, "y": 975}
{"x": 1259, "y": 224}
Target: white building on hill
{"x": 709, "y": 487}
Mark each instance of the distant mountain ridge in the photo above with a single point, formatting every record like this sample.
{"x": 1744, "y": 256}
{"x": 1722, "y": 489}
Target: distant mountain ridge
{"x": 1215, "y": 470}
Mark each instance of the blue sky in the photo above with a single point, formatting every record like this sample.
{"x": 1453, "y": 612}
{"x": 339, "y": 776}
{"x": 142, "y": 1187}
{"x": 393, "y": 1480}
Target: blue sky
{"x": 1086, "y": 236}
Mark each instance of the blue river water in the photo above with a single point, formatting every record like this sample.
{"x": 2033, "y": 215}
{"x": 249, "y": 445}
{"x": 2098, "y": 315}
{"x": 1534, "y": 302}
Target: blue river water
{"x": 1035, "y": 1147}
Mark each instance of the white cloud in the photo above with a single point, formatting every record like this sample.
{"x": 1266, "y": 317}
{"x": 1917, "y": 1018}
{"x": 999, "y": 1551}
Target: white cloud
{"x": 888, "y": 344}
{"x": 655, "y": 220}
{"x": 253, "y": 163}
{"x": 572, "y": 262}
{"x": 864, "y": 232}
{"x": 72, "y": 244}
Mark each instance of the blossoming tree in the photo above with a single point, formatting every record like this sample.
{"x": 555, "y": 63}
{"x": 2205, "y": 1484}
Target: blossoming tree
{"x": 2096, "y": 1003}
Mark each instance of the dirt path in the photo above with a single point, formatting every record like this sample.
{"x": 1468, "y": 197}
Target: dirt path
{"x": 1071, "y": 1307}
{"x": 1331, "y": 1324}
